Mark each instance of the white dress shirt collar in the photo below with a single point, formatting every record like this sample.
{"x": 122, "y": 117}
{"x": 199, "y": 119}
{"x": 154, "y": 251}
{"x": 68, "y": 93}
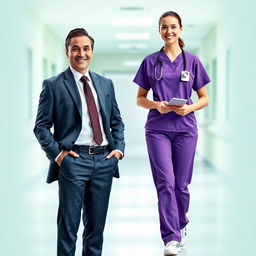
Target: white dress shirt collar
{"x": 78, "y": 75}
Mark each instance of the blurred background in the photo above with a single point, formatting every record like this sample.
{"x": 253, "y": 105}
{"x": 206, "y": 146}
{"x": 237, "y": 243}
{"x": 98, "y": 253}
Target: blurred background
{"x": 222, "y": 211}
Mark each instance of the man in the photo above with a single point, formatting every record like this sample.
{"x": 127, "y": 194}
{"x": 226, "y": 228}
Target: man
{"x": 84, "y": 149}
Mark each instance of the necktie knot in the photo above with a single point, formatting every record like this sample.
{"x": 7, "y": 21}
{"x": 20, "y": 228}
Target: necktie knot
{"x": 84, "y": 79}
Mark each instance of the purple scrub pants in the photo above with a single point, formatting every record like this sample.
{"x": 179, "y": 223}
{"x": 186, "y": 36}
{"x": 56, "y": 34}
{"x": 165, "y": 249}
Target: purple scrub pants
{"x": 171, "y": 156}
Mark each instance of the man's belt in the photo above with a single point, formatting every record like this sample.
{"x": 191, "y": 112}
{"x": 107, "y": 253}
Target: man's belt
{"x": 91, "y": 150}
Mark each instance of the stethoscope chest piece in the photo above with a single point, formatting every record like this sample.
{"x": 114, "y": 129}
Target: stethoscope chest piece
{"x": 184, "y": 76}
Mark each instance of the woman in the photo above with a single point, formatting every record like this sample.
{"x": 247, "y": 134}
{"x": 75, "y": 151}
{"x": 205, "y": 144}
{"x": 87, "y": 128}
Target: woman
{"x": 171, "y": 130}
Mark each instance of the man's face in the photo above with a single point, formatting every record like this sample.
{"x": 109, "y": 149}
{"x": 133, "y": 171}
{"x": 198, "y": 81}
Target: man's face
{"x": 80, "y": 53}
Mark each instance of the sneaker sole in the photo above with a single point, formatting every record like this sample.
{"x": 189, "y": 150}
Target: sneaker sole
{"x": 172, "y": 253}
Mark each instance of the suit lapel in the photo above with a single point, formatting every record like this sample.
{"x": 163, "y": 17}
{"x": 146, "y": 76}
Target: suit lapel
{"x": 70, "y": 83}
{"x": 100, "y": 92}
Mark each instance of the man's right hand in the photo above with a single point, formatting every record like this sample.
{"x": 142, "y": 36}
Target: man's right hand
{"x": 63, "y": 154}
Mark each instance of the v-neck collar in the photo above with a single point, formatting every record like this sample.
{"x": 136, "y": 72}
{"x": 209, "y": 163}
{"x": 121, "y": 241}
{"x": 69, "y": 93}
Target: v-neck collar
{"x": 175, "y": 60}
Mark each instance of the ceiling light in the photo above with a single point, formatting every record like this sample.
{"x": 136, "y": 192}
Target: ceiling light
{"x": 132, "y": 63}
{"x": 132, "y": 36}
{"x": 132, "y": 8}
{"x": 138, "y": 22}
{"x": 132, "y": 46}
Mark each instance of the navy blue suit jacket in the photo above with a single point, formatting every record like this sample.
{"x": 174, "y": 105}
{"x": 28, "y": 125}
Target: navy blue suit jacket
{"x": 60, "y": 107}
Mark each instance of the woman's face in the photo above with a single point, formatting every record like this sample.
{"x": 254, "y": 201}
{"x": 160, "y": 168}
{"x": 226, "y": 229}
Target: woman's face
{"x": 170, "y": 30}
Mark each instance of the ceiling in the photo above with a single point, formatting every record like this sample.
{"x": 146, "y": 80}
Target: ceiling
{"x": 198, "y": 16}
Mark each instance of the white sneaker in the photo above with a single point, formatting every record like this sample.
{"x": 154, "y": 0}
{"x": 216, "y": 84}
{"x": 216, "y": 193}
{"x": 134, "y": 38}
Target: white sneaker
{"x": 184, "y": 237}
{"x": 172, "y": 248}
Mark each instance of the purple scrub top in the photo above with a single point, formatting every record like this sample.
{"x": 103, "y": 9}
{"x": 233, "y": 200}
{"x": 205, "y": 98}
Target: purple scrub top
{"x": 171, "y": 86}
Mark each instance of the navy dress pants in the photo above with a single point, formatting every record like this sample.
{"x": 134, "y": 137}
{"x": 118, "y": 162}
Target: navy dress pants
{"x": 84, "y": 186}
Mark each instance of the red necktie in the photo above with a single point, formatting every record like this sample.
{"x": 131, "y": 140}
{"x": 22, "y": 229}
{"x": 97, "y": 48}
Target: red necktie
{"x": 93, "y": 112}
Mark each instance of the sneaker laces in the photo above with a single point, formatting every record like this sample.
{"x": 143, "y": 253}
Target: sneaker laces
{"x": 174, "y": 243}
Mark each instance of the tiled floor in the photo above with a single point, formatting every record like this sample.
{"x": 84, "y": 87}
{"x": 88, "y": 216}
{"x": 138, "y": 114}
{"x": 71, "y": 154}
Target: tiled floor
{"x": 132, "y": 226}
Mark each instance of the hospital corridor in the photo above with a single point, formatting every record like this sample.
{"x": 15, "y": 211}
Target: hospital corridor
{"x": 125, "y": 32}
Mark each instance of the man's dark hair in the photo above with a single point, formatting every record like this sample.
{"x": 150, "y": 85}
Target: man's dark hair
{"x": 78, "y": 32}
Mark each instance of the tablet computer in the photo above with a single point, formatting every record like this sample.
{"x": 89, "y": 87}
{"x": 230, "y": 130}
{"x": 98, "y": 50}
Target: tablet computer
{"x": 177, "y": 102}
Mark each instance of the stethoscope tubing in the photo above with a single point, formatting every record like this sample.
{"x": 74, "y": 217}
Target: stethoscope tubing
{"x": 158, "y": 61}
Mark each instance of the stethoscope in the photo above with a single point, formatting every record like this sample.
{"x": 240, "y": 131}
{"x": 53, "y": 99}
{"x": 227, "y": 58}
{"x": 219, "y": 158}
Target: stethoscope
{"x": 184, "y": 73}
